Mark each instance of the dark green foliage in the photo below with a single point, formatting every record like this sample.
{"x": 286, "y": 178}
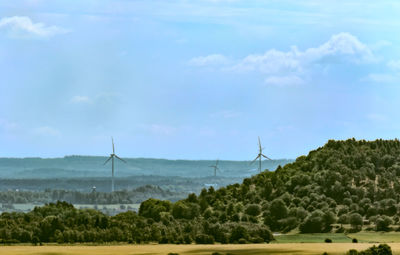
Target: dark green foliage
{"x": 382, "y": 249}
{"x": 356, "y": 221}
{"x": 204, "y": 239}
{"x": 328, "y": 240}
{"x": 253, "y": 210}
{"x": 152, "y": 208}
{"x": 382, "y": 223}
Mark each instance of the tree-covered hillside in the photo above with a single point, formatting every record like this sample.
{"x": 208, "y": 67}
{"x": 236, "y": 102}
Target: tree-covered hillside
{"x": 348, "y": 182}
{"x": 345, "y": 182}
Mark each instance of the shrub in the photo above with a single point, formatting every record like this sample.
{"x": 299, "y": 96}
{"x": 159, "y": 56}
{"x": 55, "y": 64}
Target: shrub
{"x": 328, "y": 240}
{"x": 253, "y": 210}
{"x": 352, "y": 252}
{"x": 204, "y": 239}
{"x": 354, "y": 240}
{"x": 382, "y": 249}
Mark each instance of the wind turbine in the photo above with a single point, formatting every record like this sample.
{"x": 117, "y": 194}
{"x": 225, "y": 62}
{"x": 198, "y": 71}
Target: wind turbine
{"x": 260, "y": 155}
{"x": 215, "y": 167}
{"x": 112, "y": 156}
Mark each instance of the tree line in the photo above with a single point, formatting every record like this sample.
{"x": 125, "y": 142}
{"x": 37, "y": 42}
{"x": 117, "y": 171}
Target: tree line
{"x": 348, "y": 182}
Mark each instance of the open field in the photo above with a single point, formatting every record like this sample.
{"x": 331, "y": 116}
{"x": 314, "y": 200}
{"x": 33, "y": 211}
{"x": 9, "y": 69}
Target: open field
{"x": 313, "y": 238}
{"x": 300, "y": 248}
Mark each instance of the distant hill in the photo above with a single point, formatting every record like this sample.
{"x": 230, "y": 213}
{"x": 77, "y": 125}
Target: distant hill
{"x": 91, "y": 166}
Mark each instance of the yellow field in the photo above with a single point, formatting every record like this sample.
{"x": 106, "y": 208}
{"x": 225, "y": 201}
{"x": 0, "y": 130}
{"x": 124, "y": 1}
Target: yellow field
{"x": 300, "y": 248}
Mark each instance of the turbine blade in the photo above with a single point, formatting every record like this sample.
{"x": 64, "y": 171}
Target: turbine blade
{"x": 107, "y": 160}
{"x": 265, "y": 157}
{"x": 255, "y": 159}
{"x": 120, "y": 159}
{"x": 112, "y": 140}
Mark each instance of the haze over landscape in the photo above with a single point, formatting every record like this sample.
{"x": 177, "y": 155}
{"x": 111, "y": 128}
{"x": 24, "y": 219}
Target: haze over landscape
{"x": 195, "y": 79}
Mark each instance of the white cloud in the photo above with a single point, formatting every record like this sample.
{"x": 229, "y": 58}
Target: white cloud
{"x": 162, "y": 129}
{"x": 8, "y": 125}
{"x": 380, "y": 78}
{"x": 214, "y": 59}
{"x": 284, "y": 80}
{"x": 80, "y": 99}
{"x": 226, "y": 114}
{"x": 22, "y": 26}
{"x": 343, "y": 45}
{"x": 47, "y": 131}
{"x": 394, "y": 64}
{"x": 376, "y": 117}
{"x": 289, "y": 67}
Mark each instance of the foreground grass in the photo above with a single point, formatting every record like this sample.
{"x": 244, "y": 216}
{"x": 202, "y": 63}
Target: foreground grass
{"x": 158, "y": 249}
{"x": 313, "y": 238}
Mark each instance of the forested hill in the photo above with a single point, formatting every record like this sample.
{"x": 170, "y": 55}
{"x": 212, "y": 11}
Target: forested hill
{"x": 342, "y": 182}
{"x": 91, "y": 166}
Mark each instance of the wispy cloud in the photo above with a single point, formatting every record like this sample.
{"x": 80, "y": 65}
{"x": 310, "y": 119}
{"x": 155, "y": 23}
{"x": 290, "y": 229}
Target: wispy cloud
{"x": 394, "y": 65}
{"x": 380, "y": 78}
{"x": 288, "y": 67}
{"x": 161, "y": 129}
{"x": 46, "y": 131}
{"x": 343, "y": 45}
{"x": 23, "y": 26}
{"x": 80, "y": 99}
{"x": 226, "y": 114}
{"x": 284, "y": 80}
{"x": 213, "y": 59}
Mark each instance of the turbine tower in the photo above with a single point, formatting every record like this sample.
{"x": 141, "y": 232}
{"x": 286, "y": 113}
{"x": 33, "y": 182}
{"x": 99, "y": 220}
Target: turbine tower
{"x": 215, "y": 167}
{"x": 112, "y": 156}
{"x": 260, "y": 155}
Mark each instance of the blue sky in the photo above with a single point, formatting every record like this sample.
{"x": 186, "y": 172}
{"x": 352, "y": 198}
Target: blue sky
{"x": 196, "y": 79}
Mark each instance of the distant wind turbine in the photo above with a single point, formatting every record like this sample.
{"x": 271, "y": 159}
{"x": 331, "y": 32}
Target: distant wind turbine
{"x": 260, "y": 155}
{"x": 112, "y": 156}
{"x": 215, "y": 167}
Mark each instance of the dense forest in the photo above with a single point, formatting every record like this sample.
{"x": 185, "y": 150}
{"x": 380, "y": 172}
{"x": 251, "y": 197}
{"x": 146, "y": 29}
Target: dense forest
{"x": 350, "y": 183}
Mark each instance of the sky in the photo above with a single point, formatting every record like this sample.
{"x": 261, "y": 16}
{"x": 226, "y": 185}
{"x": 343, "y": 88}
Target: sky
{"x": 198, "y": 79}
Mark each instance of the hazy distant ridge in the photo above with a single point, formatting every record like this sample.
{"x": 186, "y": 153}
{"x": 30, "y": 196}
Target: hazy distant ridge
{"x": 87, "y": 166}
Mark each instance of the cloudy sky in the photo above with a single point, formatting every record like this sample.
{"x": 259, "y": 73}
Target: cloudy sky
{"x": 196, "y": 79}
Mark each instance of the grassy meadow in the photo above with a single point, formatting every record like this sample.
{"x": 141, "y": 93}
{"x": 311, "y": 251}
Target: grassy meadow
{"x": 158, "y": 249}
{"x": 284, "y": 244}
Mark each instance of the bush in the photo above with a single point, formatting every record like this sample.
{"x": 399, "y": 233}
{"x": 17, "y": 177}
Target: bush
{"x": 382, "y": 249}
{"x": 253, "y": 210}
{"x": 352, "y": 252}
{"x": 204, "y": 239}
{"x": 242, "y": 241}
{"x": 328, "y": 240}
{"x": 383, "y": 223}
{"x": 354, "y": 240}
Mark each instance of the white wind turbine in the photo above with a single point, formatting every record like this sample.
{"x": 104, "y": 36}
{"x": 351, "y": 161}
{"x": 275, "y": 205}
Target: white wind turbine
{"x": 112, "y": 156}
